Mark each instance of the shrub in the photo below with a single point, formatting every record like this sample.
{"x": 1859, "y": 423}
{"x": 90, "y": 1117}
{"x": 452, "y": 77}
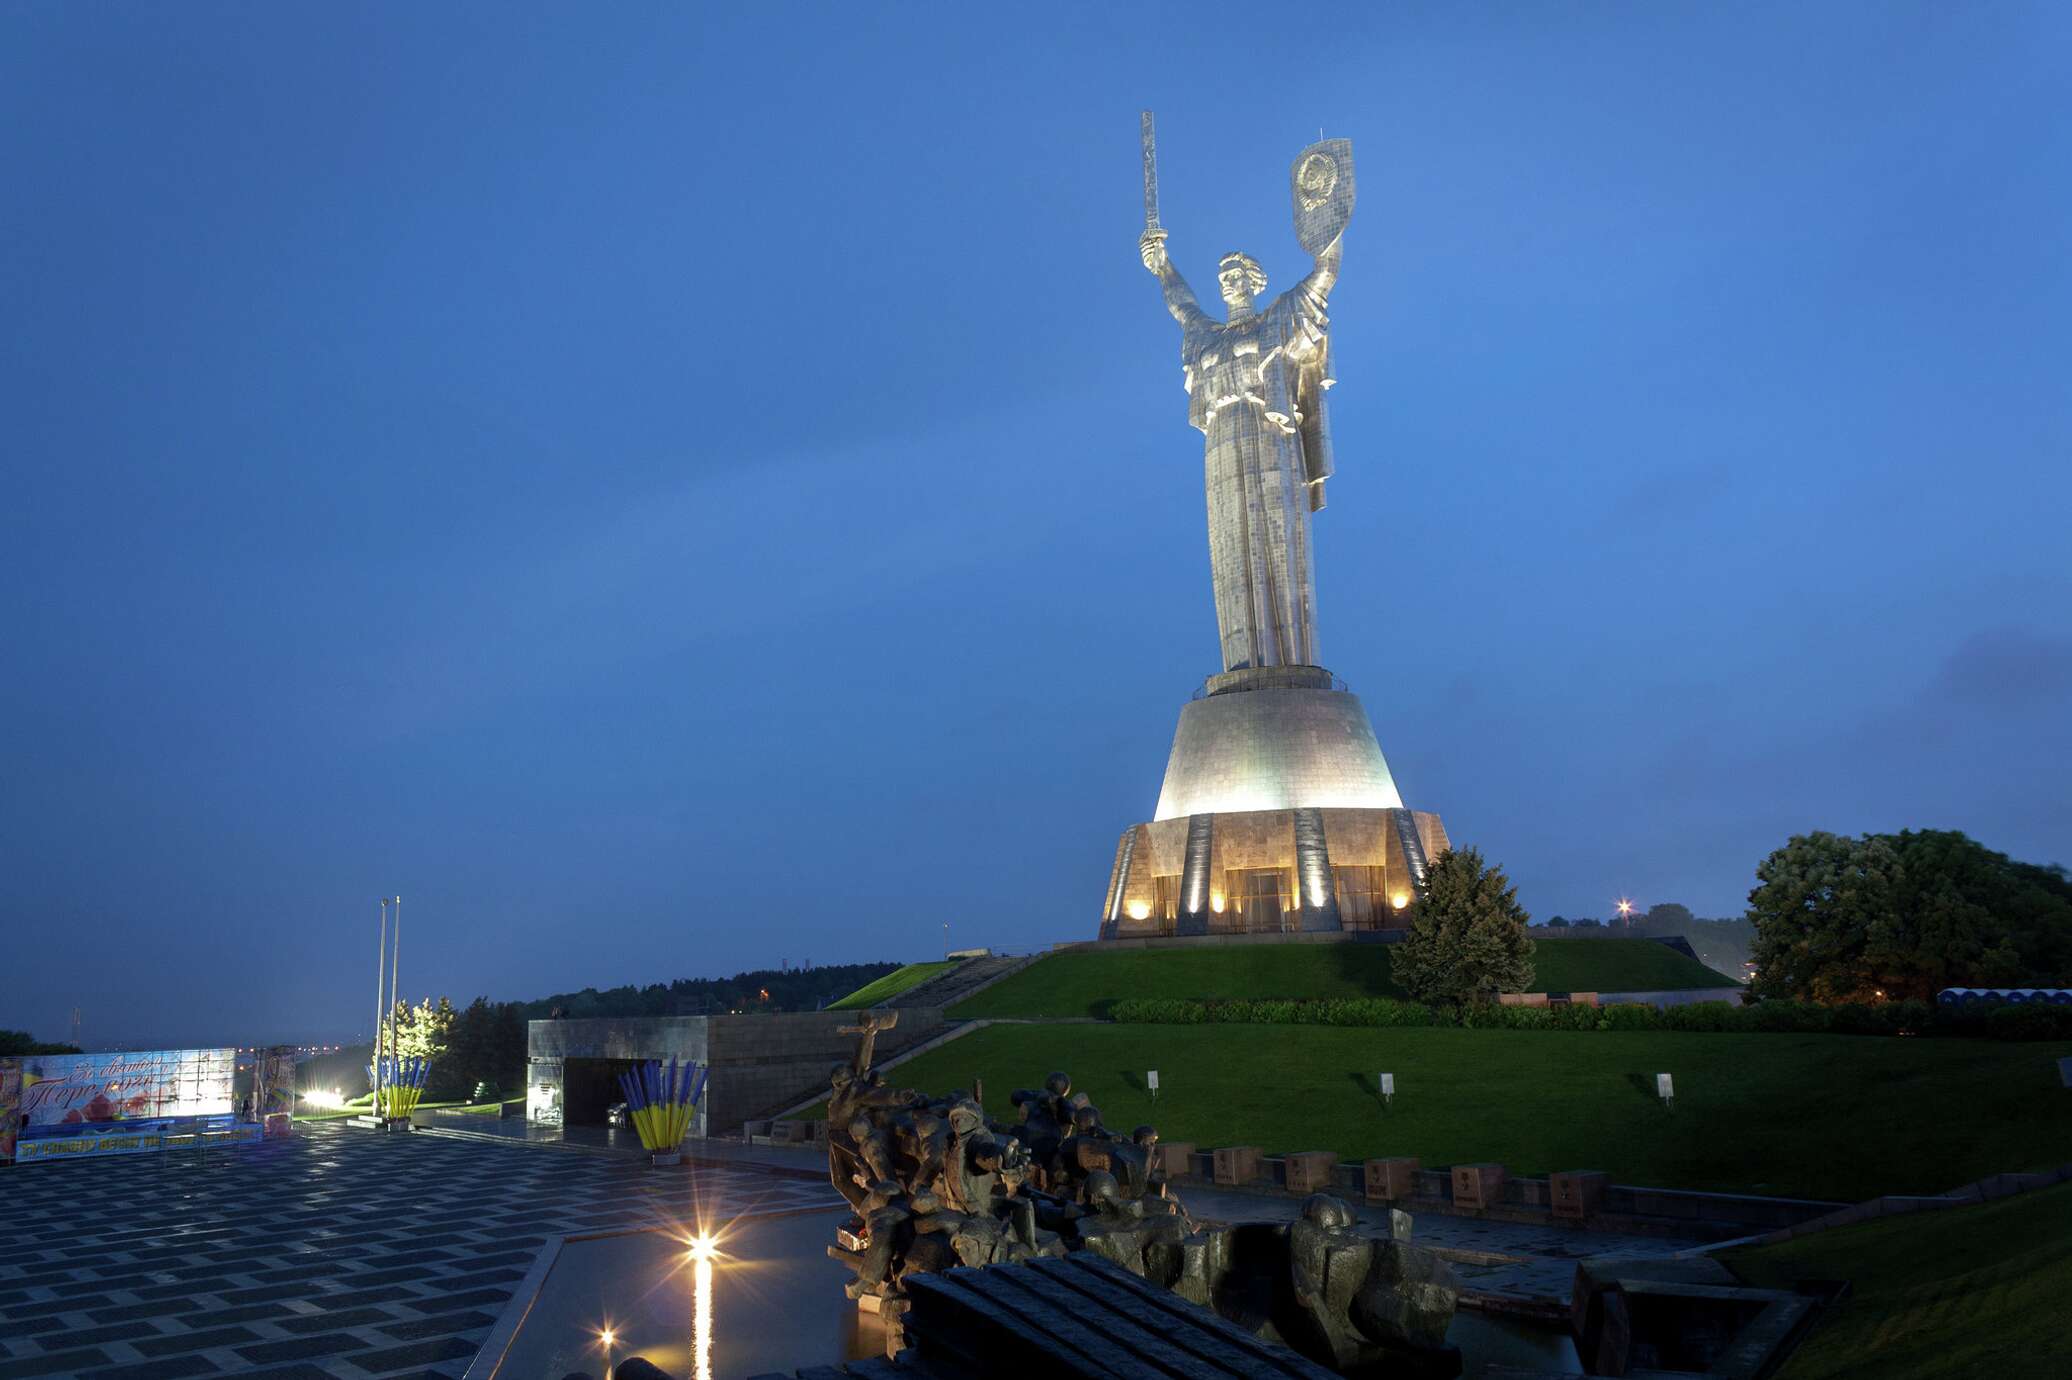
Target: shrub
{"x": 2029, "y": 1021}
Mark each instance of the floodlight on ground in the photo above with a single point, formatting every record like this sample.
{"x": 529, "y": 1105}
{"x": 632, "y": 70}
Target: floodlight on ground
{"x": 1665, "y": 1088}
{"x": 1387, "y": 1083}
{"x": 1151, "y": 1082}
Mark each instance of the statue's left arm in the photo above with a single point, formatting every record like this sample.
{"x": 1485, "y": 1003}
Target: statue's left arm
{"x": 1317, "y": 286}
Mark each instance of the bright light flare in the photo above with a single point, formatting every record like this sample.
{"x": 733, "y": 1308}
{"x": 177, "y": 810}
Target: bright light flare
{"x": 703, "y": 1246}
{"x": 606, "y": 1337}
{"x": 330, "y": 1099}
{"x": 1400, "y": 899}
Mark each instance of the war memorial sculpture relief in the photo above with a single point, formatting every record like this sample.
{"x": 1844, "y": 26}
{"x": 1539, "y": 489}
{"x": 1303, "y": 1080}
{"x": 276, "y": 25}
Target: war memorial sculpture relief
{"x": 935, "y": 1185}
{"x": 1278, "y": 811}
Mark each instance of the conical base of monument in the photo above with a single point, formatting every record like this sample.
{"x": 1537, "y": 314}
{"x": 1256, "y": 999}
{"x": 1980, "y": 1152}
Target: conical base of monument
{"x": 1278, "y": 814}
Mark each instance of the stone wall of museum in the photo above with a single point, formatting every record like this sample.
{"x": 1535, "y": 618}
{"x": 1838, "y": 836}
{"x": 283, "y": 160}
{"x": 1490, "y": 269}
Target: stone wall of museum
{"x": 757, "y": 1062}
{"x": 1244, "y": 845}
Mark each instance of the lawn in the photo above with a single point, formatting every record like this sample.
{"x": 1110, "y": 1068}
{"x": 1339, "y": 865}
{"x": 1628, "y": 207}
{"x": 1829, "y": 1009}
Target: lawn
{"x": 1818, "y": 1116}
{"x": 892, "y": 984}
{"x": 364, "y": 1103}
{"x": 1970, "y": 1291}
{"x": 1087, "y": 984}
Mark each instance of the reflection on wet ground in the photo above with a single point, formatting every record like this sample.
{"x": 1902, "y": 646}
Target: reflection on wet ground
{"x": 767, "y": 1299}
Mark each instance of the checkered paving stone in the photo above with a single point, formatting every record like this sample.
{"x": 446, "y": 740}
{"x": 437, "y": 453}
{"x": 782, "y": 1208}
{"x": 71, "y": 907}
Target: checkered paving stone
{"x": 336, "y": 1253}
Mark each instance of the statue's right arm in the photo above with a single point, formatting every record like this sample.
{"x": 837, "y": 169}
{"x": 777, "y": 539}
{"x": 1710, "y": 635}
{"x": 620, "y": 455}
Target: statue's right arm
{"x": 1179, "y": 298}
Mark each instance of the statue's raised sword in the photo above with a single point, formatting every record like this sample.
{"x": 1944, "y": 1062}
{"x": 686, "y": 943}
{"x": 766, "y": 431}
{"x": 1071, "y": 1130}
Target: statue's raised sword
{"x": 1150, "y": 133}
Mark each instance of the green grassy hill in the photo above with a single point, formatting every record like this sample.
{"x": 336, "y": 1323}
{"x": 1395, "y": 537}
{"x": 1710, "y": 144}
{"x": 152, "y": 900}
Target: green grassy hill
{"x": 1962, "y": 1292}
{"x": 1818, "y": 1116}
{"x": 891, "y": 985}
{"x": 1086, "y": 983}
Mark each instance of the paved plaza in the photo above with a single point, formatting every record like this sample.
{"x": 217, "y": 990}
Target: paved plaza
{"x": 339, "y": 1252}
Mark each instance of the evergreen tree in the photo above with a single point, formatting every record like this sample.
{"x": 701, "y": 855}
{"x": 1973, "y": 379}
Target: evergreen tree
{"x": 1467, "y": 937}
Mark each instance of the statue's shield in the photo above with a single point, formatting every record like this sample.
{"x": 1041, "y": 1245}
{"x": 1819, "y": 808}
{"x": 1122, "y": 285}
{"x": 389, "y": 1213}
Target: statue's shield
{"x": 1322, "y": 183}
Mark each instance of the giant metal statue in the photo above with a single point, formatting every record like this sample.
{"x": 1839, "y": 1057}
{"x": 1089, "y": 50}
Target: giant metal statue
{"x": 1255, "y": 388}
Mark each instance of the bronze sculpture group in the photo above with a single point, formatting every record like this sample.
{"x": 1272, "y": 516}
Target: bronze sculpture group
{"x": 935, "y": 1185}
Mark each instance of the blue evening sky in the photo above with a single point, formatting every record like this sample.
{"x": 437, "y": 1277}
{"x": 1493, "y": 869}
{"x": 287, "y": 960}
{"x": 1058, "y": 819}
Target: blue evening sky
{"x": 677, "y": 488}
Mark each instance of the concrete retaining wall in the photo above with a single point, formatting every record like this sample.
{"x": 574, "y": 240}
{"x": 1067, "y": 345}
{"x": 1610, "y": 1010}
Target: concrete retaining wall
{"x": 1623, "y": 1208}
{"x": 757, "y": 1063}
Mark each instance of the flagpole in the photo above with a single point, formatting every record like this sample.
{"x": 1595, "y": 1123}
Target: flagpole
{"x": 396, "y": 990}
{"x": 380, "y": 979}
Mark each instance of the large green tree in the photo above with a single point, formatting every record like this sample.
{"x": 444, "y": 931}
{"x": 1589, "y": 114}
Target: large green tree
{"x": 1467, "y": 938}
{"x": 1890, "y": 916}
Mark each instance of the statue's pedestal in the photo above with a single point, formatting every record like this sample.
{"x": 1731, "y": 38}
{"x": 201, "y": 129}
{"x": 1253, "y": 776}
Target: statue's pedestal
{"x": 1278, "y": 814}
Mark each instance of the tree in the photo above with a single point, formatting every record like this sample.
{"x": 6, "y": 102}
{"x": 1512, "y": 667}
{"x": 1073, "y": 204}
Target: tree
{"x": 419, "y": 1033}
{"x": 13, "y": 1042}
{"x": 1669, "y": 917}
{"x": 1890, "y": 916}
{"x": 1467, "y": 937}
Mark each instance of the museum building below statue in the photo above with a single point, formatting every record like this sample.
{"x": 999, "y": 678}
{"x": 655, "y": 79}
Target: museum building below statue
{"x": 1278, "y": 813}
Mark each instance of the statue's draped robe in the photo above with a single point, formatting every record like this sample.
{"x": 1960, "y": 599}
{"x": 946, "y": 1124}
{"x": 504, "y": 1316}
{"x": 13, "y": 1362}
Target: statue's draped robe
{"x": 1256, "y": 391}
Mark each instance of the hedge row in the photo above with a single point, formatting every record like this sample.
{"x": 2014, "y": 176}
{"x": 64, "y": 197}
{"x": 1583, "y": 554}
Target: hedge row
{"x": 2032, "y": 1021}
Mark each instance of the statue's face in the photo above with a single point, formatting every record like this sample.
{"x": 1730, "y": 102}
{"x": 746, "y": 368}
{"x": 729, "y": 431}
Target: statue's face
{"x": 1236, "y": 284}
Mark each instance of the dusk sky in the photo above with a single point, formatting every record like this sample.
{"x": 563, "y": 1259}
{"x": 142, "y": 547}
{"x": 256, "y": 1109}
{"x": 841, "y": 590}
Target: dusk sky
{"x": 672, "y": 489}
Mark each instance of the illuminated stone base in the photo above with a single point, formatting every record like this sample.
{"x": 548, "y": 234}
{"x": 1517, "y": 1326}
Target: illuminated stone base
{"x": 1278, "y": 814}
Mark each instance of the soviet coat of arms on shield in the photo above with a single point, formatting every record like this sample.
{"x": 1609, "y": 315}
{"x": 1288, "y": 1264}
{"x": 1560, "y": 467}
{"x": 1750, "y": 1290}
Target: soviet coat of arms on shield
{"x": 1322, "y": 184}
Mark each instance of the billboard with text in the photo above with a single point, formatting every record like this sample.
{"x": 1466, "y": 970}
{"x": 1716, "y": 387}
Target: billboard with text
{"x": 64, "y": 1091}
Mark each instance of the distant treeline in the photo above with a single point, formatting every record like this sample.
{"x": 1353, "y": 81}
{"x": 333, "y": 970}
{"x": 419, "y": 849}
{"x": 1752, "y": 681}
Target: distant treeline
{"x": 764, "y": 989}
{"x": 1722, "y": 945}
{"x": 18, "y": 1042}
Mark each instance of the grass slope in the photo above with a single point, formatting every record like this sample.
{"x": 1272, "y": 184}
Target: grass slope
{"x": 1817, "y": 1116}
{"x": 1971, "y": 1291}
{"x": 1086, "y": 984}
{"x": 891, "y": 985}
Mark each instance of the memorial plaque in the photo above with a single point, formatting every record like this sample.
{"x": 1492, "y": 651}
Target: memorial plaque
{"x": 1392, "y": 1180}
{"x": 1577, "y": 1192}
{"x": 1478, "y": 1186}
{"x": 1175, "y": 1157}
{"x": 1239, "y": 1164}
{"x": 1309, "y": 1171}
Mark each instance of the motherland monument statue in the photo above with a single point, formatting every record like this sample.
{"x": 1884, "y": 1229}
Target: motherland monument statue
{"x": 1278, "y": 811}
{"x": 1255, "y": 389}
